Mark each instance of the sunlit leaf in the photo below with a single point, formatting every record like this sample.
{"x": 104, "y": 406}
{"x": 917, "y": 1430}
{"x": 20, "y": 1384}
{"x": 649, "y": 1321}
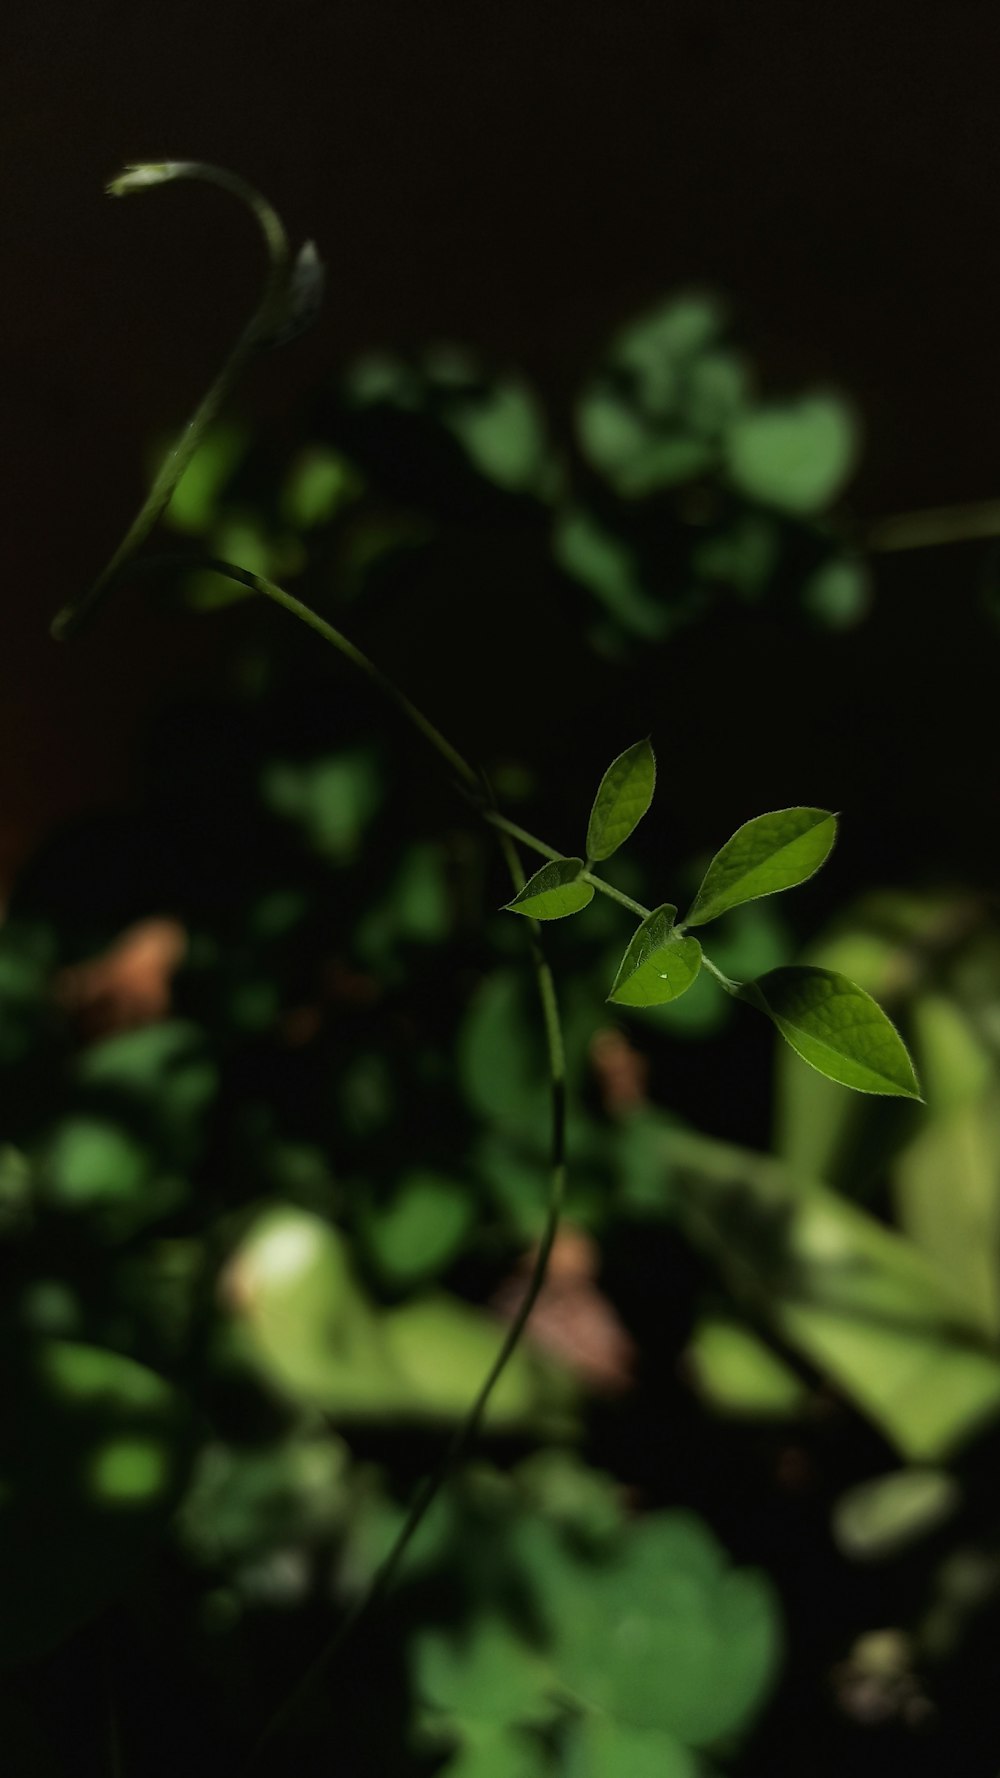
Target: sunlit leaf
{"x": 770, "y": 853}
{"x": 623, "y": 797}
{"x": 553, "y": 892}
{"x": 739, "y": 1374}
{"x": 658, "y": 965}
{"x": 856, "y": 1300}
{"x": 796, "y": 456}
{"x": 838, "y": 1028}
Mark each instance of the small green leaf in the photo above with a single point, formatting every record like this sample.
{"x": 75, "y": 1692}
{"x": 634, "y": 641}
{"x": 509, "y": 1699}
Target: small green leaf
{"x": 837, "y": 1028}
{"x": 882, "y": 1516}
{"x": 625, "y": 793}
{"x": 797, "y": 456}
{"x": 553, "y": 892}
{"x": 770, "y": 853}
{"x": 658, "y": 965}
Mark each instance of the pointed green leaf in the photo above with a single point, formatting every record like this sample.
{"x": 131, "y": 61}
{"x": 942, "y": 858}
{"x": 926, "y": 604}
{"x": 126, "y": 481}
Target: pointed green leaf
{"x": 553, "y": 892}
{"x": 838, "y": 1028}
{"x": 770, "y": 853}
{"x": 625, "y": 793}
{"x": 658, "y": 965}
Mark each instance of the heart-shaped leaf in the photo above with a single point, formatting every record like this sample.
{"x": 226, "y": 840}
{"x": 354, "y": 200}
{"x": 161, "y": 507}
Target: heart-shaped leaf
{"x": 624, "y": 795}
{"x": 770, "y": 853}
{"x": 838, "y": 1028}
{"x": 553, "y": 892}
{"x": 795, "y": 457}
{"x": 658, "y": 965}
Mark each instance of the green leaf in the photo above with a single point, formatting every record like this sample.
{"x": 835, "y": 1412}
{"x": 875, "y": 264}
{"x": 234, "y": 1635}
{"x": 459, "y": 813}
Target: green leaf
{"x": 739, "y": 1374}
{"x": 838, "y": 1028}
{"x": 770, "y": 853}
{"x": 849, "y": 1294}
{"x": 601, "y": 1747}
{"x": 489, "y": 1674}
{"x": 423, "y": 1227}
{"x": 94, "y": 1452}
{"x": 658, "y": 965}
{"x": 625, "y": 793}
{"x": 796, "y": 456}
{"x": 882, "y": 1516}
{"x": 553, "y": 892}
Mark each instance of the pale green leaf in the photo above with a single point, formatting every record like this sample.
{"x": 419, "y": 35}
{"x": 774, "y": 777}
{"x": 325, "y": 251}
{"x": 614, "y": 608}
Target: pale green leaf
{"x": 880, "y": 1517}
{"x": 658, "y": 965}
{"x": 838, "y": 1028}
{"x": 553, "y": 892}
{"x": 624, "y": 795}
{"x": 797, "y": 456}
{"x": 850, "y": 1295}
{"x": 738, "y": 1373}
{"x": 770, "y": 853}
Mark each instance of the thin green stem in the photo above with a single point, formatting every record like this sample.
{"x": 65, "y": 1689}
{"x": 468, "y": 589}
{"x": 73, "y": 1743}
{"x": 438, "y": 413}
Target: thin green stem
{"x": 258, "y": 583}
{"x": 266, "y": 318}
{"x": 625, "y": 901}
{"x": 525, "y": 838}
{"x": 731, "y": 987}
{"x": 934, "y": 526}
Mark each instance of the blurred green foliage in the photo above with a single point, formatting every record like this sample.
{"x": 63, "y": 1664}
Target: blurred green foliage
{"x": 263, "y": 1217}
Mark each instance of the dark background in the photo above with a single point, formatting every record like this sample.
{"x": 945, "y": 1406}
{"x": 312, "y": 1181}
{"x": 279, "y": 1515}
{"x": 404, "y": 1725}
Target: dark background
{"x": 522, "y": 176}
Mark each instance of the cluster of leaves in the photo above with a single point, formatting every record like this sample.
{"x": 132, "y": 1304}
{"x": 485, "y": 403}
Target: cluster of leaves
{"x": 828, "y": 1020}
{"x": 674, "y": 488}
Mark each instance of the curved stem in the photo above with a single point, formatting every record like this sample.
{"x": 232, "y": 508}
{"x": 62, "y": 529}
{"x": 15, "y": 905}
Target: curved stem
{"x": 266, "y": 318}
{"x": 469, "y": 1427}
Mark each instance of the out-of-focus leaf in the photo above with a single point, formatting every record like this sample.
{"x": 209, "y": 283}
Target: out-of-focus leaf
{"x": 838, "y": 594}
{"x": 498, "y": 1753}
{"x": 601, "y": 1747}
{"x": 666, "y": 1636}
{"x": 795, "y": 456}
{"x": 195, "y": 500}
{"x": 946, "y": 1186}
{"x": 331, "y": 800}
{"x": 855, "y": 1299}
{"x": 319, "y": 484}
{"x": 623, "y": 797}
{"x": 883, "y": 1516}
{"x": 504, "y": 433}
{"x": 443, "y": 1350}
{"x": 317, "y": 1338}
{"x": 738, "y": 1374}
{"x": 93, "y": 1449}
{"x": 421, "y": 1228}
{"x": 488, "y": 1674}
{"x": 605, "y": 564}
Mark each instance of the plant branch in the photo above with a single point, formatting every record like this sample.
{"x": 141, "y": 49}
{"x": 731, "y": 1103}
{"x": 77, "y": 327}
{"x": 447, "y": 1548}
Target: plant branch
{"x": 267, "y": 319}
